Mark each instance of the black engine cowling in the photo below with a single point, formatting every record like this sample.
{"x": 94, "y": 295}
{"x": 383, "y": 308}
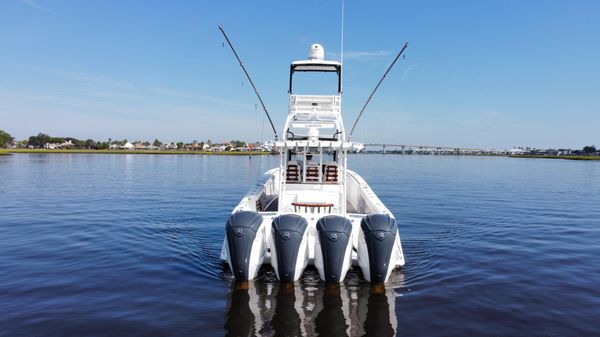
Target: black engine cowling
{"x": 288, "y": 231}
{"x": 334, "y": 234}
{"x": 380, "y": 234}
{"x": 241, "y": 231}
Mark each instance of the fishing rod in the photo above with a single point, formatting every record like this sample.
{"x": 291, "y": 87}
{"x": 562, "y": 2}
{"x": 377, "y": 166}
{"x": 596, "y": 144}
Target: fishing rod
{"x": 377, "y": 87}
{"x": 249, "y": 79}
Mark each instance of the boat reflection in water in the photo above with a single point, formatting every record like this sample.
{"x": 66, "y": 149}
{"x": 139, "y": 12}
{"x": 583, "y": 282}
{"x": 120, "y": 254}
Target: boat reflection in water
{"x": 262, "y": 308}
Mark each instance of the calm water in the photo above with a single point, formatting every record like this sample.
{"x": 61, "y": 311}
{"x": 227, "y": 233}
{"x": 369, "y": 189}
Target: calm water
{"x": 129, "y": 245}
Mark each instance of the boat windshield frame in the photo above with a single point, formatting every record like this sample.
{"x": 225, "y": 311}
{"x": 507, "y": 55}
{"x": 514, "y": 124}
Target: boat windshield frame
{"x": 311, "y": 66}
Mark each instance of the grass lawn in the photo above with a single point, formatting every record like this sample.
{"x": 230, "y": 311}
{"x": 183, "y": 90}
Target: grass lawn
{"x": 228, "y": 153}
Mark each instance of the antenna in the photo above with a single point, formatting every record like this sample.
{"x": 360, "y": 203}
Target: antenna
{"x": 377, "y": 87}
{"x": 249, "y": 79}
{"x": 342, "y": 47}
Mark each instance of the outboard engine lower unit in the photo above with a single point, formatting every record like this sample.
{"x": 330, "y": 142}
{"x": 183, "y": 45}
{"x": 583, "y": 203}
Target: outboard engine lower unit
{"x": 289, "y": 253}
{"x": 245, "y": 241}
{"x": 377, "y": 251}
{"x": 334, "y": 248}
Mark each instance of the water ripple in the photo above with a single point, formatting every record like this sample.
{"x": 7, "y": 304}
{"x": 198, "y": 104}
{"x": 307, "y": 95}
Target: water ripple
{"x": 120, "y": 244}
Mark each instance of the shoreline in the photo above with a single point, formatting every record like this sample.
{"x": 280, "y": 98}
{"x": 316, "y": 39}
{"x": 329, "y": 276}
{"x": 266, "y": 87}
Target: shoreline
{"x": 8, "y": 152}
{"x": 535, "y": 156}
{"x": 159, "y": 152}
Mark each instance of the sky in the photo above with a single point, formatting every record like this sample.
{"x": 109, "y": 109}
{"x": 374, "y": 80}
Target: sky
{"x": 485, "y": 74}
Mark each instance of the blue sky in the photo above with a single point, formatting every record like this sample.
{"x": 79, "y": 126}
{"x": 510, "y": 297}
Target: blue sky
{"x": 476, "y": 73}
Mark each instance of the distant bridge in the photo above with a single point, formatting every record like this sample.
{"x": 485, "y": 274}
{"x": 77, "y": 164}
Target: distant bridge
{"x": 431, "y": 149}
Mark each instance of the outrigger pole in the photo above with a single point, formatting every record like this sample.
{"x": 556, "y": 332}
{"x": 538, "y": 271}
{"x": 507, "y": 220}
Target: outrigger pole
{"x": 377, "y": 87}
{"x": 249, "y": 79}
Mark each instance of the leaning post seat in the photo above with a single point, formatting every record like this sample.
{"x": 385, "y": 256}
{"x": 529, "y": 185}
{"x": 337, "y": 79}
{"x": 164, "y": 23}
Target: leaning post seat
{"x": 331, "y": 172}
{"x": 312, "y": 173}
{"x": 292, "y": 173}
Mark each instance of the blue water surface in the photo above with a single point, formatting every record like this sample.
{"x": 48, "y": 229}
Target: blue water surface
{"x": 98, "y": 245}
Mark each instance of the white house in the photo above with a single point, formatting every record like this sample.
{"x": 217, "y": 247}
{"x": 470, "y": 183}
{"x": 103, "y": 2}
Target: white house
{"x": 219, "y": 147}
{"x": 63, "y": 145}
{"x": 516, "y": 151}
{"x": 127, "y": 146}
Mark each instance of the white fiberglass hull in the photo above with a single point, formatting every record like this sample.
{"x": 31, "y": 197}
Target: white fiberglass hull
{"x": 366, "y": 237}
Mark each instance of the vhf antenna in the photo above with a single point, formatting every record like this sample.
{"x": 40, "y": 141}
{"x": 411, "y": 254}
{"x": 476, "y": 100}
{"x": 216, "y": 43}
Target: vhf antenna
{"x": 249, "y": 79}
{"x": 377, "y": 87}
{"x": 342, "y": 49}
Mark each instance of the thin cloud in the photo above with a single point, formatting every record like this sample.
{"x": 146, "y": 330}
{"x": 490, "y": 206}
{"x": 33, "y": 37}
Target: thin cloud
{"x": 35, "y": 5}
{"x": 492, "y": 114}
{"x": 110, "y": 94}
{"x": 407, "y": 70}
{"x": 487, "y": 117}
{"x": 196, "y": 97}
{"x": 56, "y": 114}
{"x": 361, "y": 55}
{"x": 84, "y": 77}
{"x": 108, "y": 87}
{"x": 51, "y": 98}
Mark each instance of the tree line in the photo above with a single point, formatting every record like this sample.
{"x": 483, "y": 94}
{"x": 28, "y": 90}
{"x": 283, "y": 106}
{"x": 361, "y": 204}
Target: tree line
{"x": 591, "y": 149}
{"x": 5, "y": 139}
{"x": 41, "y": 140}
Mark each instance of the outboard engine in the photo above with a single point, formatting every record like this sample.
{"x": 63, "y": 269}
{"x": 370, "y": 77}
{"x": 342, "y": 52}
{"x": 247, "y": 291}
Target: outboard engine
{"x": 333, "y": 248}
{"x": 289, "y": 250}
{"x": 245, "y": 243}
{"x": 378, "y": 247}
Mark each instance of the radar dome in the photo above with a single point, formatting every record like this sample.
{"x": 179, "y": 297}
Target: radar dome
{"x": 316, "y": 52}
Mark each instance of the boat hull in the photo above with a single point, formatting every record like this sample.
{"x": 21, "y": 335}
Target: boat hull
{"x": 289, "y": 239}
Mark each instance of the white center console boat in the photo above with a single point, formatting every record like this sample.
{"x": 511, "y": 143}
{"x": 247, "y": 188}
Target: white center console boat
{"x": 313, "y": 210}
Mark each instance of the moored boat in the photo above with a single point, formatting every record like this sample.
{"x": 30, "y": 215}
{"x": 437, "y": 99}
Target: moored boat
{"x": 313, "y": 210}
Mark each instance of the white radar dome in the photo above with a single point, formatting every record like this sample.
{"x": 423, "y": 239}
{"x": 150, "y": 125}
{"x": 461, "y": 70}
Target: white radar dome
{"x": 316, "y": 52}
